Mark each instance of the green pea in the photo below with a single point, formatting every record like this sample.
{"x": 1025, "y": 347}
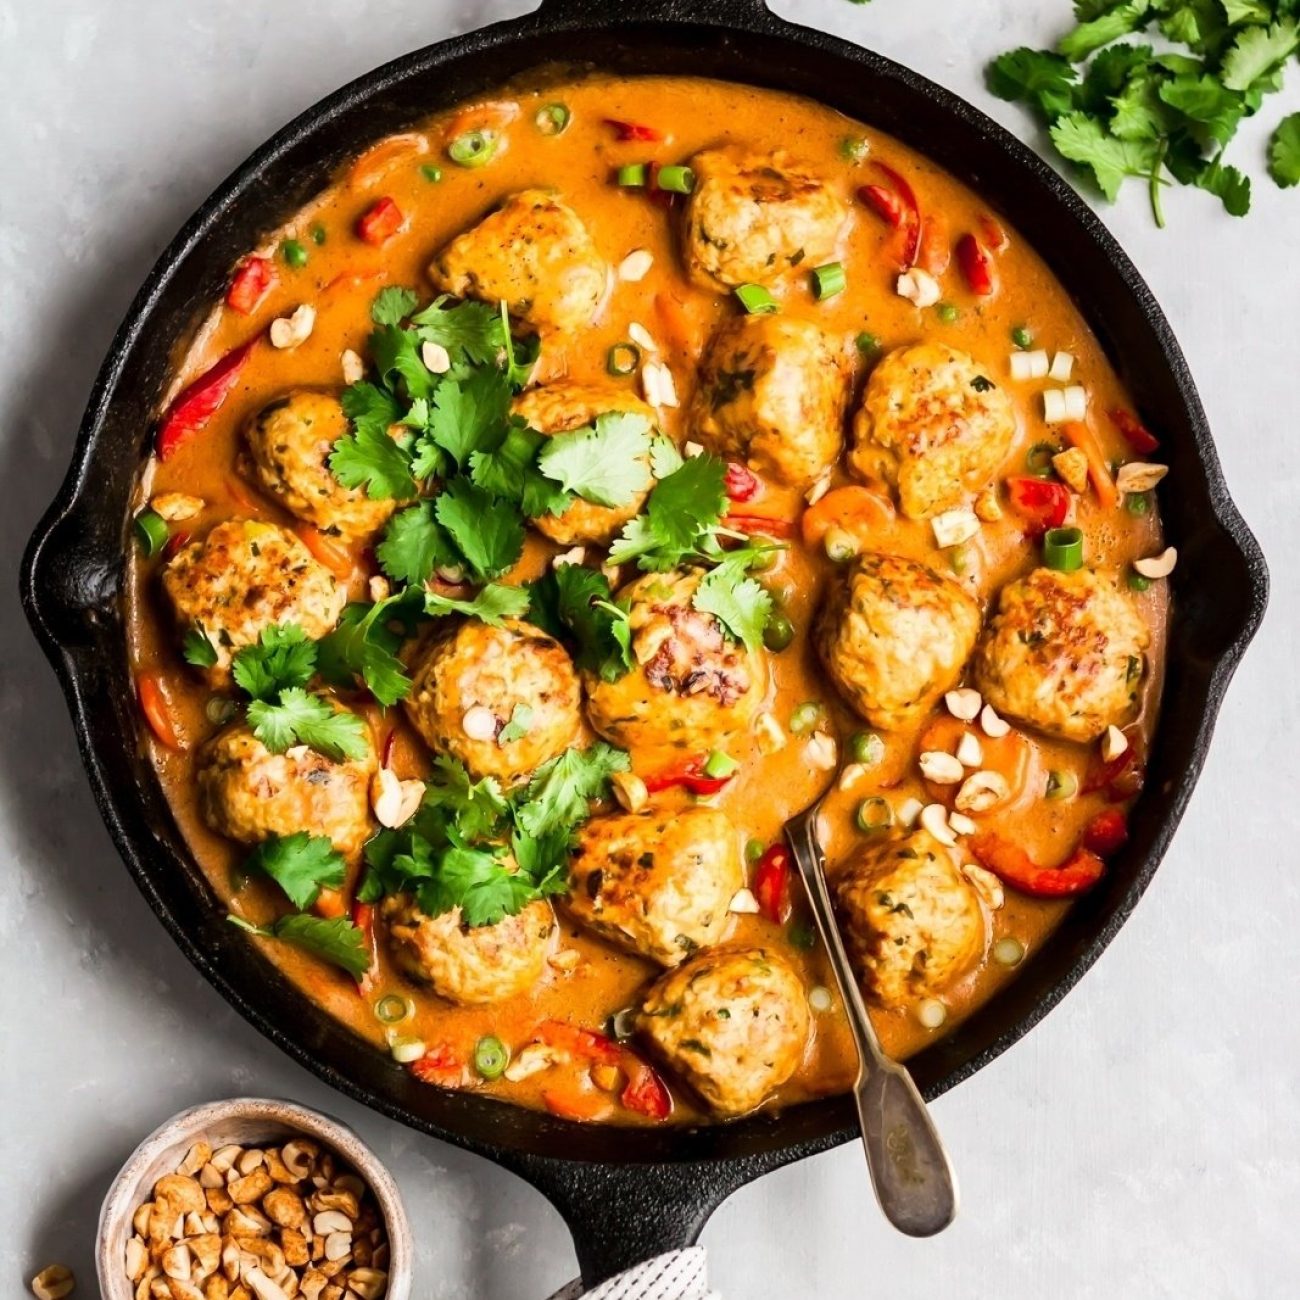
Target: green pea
{"x": 778, "y": 633}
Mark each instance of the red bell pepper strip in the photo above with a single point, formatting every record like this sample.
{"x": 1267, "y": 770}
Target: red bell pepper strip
{"x": 633, "y": 130}
{"x": 1014, "y": 867}
{"x": 772, "y": 884}
{"x": 689, "y": 776}
{"x": 1106, "y": 832}
{"x": 1103, "y": 483}
{"x": 1135, "y": 433}
{"x": 762, "y": 524}
{"x": 380, "y": 222}
{"x": 157, "y": 710}
{"x": 910, "y": 219}
{"x": 976, "y": 264}
{"x": 586, "y": 1043}
{"x": 1042, "y": 504}
{"x": 885, "y": 203}
{"x": 250, "y": 284}
{"x": 739, "y": 482}
{"x": 645, "y": 1093}
{"x": 192, "y": 410}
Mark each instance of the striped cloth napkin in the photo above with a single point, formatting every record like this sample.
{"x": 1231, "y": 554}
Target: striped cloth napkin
{"x": 678, "y": 1275}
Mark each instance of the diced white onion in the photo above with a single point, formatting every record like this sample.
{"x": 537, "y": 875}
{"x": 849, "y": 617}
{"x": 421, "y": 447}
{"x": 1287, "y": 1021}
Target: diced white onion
{"x": 1054, "y": 406}
{"x": 1029, "y": 365}
{"x": 953, "y": 527}
{"x": 818, "y": 490}
{"x": 1062, "y": 367}
{"x": 1076, "y": 403}
{"x": 919, "y": 287}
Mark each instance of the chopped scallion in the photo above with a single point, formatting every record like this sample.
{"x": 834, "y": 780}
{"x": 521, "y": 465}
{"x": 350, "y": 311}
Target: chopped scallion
{"x": 756, "y": 300}
{"x": 633, "y": 176}
{"x": 623, "y": 359}
{"x": 294, "y": 253}
{"x": 1022, "y": 337}
{"x": 392, "y": 1009}
{"x": 874, "y": 815}
{"x": 552, "y": 119}
{"x": 1038, "y": 459}
{"x": 431, "y": 172}
{"x": 720, "y": 764}
{"x": 868, "y": 343}
{"x": 151, "y": 531}
{"x": 1063, "y": 549}
{"x": 854, "y": 149}
{"x": 1137, "y": 582}
{"x": 805, "y": 717}
{"x": 829, "y": 280}
{"x": 675, "y": 179}
{"x": 867, "y": 747}
{"x": 474, "y": 148}
{"x": 1137, "y": 503}
{"x": 491, "y": 1057}
{"x": 1062, "y": 785}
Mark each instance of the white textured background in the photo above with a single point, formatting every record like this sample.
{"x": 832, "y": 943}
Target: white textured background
{"x": 1141, "y": 1143}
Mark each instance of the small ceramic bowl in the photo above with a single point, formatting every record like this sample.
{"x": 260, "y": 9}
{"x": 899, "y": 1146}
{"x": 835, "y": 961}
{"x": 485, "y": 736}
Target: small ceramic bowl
{"x": 245, "y": 1121}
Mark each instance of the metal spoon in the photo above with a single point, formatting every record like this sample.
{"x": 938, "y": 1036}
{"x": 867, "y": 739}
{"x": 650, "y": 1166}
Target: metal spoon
{"x": 910, "y": 1172}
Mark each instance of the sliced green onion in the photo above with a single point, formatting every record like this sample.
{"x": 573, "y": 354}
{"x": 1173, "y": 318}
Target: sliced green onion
{"x": 1063, "y": 549}
{"x": 491, "y": 1057}
{"x": 1021, "y": 337}
{"x": 754, "y": 849}
{"x": 622, "y": 1024}
{"x": 854, "y": 149}
{"x": 406, "y": 1050}
{"x": 552, "y": 119}
{"x": 840, "y": 545}
{"x": 675, "y": 179}
{"x": 866, "y": 747}
{"x": 151, "y": 531}
{"x": 1038, "y": 459}
{"x": 1062, "y": 785}
{"x": 829, "y": 280}
{"x": 874, "y": 815}
{"x": 868, "y": 343}
{"x": 801, "y": 935}
{"x": 764, "y": 559}
{"x": 431, "y": 172}
{"x": 946, "y": 312}
{"x": 778, "y": 633}
{"x": 1137, "y": 582}
{"x": 623, "y": 359}
{"x": 720, "y": 764}
{"x": 633, "y": 176}
{"x": 1137, "y": 503}
{"x": 474, "y": 148}
{"x": 318, "y": 234}
{"x": 805, "y": 717}
{"x": 756, "y": 300}
{"x": 392, "y": 1008}
{"x": 220, "y": 709}
{"x": 294, "y": 253}
{"x": 1009, "y": 951}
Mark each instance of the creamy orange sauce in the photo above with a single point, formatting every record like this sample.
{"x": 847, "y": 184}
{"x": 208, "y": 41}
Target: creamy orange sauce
{"x": 340, "y": 280}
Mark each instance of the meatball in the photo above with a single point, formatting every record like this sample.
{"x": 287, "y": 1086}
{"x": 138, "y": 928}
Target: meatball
{"x": 470, "y": 966}
{"x": 934, "y": 425}
{"x": 246, "y": 576}
{"x": 913, "y": 924}
{"x": 755, "y": 218}
{"x": 732, "y": 1021}
{"x": 1064, "y": 653}
{"x": 894, "y": 636}
{"x": 249, "y": 794}
{"x": 534, "y": 254}
{"x": 657, "y": 884}
{"x": 289, "y": 441}
{"x": 772, "y": 392}
{"x": 469, "y": 683}
{"x": 691, "y": 689}
{"x": 560, "y": 408}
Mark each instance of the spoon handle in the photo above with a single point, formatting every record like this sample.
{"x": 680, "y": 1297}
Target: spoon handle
{"x": 910, "y": 1172}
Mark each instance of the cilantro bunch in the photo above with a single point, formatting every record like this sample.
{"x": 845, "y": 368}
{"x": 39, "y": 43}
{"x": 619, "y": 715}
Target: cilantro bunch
{"x": 1121, "y": 109}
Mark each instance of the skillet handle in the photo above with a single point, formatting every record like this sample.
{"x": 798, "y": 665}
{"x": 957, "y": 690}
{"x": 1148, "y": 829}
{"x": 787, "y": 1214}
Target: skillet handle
{"x": 611, "y": 13}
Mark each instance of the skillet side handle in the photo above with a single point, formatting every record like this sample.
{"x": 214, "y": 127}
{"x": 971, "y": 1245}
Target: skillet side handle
{"x": 612, "y": 13}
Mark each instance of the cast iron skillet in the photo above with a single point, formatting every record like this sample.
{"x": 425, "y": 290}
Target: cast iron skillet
{"x": 626, "y": 1194}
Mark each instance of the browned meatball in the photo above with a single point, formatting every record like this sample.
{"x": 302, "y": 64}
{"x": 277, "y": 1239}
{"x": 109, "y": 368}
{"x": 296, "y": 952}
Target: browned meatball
{"x": 534, "y": 254}
{"x": 732, "y": 1022}
{"x": 772, "y": 392}
{"x": 290, "y": 441}
{"x": 894, "y": 636}
{"x": 658, "y": 884}
{"x": 755, "y": 218}
{"x": 1065, "y": 653}
{"x": 912, "y": 922}
{"x": 471, "y": 681}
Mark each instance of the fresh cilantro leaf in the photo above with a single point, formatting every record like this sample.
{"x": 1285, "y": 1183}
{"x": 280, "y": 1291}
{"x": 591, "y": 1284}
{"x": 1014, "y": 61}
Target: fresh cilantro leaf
{"x": 370, "y": 408}
{"x": 414, "y": 545}
{"x": 1203, "y": 101}
{"x": 576, "y": 605}
{"x": 471, "y": 328}
{"x": 393, "y": 305}
{"x": 371, "y": 459}
{"x": 397, "y": 358}
{"x": 665, "y": 459}
{"x": 510, "y": 472}
{"x": 1090, "y": 36}
{"x": 682, "y": 511}
{"x": 1246, "y": 11}
{"x": 362, "y": 646}
{"x": 196, "y": 649}
{"x": 298, "y": 718}
{"x": 1047, "y": 81}
{"x": 479, "y": 883}
{"x": 335, "y": 940}
{"x": 301, "y": 864}
{"x": 1083, "y": 140}
{"x": 488, "y": 532}
{"x": 544, "y": 859}
{"x": 559, "y": 795}
{"x": 606, "y": 465}
{"x": 521, "y": 719}
{"x": 459, "y": 806}
{"x": 1229, "y": 185}
{"x": 1284, "y": 152}
{"x": 736, "y": 600}
{"x": 469, "y": 415}
{"x": 283, "y": 657}
{"x": 493, "y": 604}
{"x": 1257, "y": 51}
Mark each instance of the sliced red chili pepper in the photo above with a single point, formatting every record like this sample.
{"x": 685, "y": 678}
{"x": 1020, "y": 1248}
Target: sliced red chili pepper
{"x": 586, "y": 1043}
{"x": 885, "y": 203}
{"x": 645, "y": 1093}
{"x": 690, "y": 776}
{"x": 439, "y": 1065}
{"x": 1106, "y": 832}
{"x": 911, "y": 211}
{"x": 976, "y": 263}
{"x": 175, "y": 543}
{"x": 633, "y": 130}
{"x": 386, "y": 749}
{"x": 380, "y": 222}
{"x": 1014, "y": 867}
{"x": 740, "y": 483}
{"x": 1042, "y": 504}
{"x": 192, "y": 410}
{"x": 250, "y": 284}
{"x": 157, "y": 710}
{"x": 763, "y": 524}
{"x": 995, "y": 236}
{"x": 1135, "y": 433}
{"x": 935, "y": 251}
{"x": 772, "y": 884}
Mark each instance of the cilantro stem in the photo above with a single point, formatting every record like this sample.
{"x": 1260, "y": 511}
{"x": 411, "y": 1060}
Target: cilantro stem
{"x": 1155, "y": 182}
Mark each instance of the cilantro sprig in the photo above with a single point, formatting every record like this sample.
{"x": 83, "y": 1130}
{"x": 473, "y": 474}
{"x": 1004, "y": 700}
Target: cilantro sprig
{"x": 335, "y": 940}
{"x": 1121, "y": 110}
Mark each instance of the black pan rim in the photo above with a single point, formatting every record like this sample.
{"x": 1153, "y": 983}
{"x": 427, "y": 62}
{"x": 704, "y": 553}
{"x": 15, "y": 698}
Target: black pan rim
{"x": 838, "y": 1126}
